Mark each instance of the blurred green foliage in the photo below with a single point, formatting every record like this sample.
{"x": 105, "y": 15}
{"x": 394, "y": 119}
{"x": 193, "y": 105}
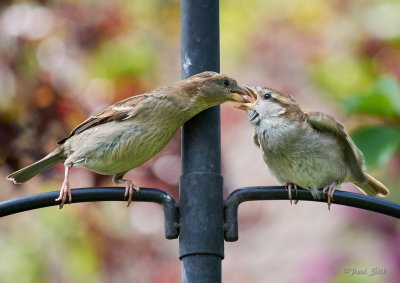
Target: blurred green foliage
{"x": 383, "y": 99}
{"x": 342, "y": 73}
{"x": 110, "y": 60}
{"x": 379, "y": 143}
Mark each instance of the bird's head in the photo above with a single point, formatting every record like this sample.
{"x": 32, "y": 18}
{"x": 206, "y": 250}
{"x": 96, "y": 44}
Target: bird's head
{"x": 268, "y": 103}
{"x": 213, "y": 88}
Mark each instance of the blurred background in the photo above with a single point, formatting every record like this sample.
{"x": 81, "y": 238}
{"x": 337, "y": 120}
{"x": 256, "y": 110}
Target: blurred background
{"x": 61, "y": 60}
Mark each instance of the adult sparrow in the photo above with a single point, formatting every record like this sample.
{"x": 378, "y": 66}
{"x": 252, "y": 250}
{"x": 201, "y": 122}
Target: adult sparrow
{"x": 129, "y": 132}
{"x": 309, "y": 150}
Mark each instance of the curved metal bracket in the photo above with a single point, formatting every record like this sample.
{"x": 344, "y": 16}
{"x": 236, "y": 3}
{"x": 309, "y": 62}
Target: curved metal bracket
{"x": 279, "y": 193}
{"x": 100, "y": 194}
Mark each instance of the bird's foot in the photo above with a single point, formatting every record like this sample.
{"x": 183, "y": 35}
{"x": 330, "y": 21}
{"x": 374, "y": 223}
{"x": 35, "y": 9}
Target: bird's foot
{"x": 330, "y": 189}
{"x": 65, "y": 194}
{"x": 65, "y": 191}
{"x": 130, "y": 187}
{"x": 289, "y": 187}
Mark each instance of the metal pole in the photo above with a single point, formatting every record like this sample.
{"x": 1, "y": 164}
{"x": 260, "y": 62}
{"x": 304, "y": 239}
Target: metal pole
{"x": 201, "y": 239}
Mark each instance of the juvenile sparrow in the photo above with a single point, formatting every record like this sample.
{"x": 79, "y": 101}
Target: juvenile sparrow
{"x": 309, "y": 150}
{"x": 129, "y": 132}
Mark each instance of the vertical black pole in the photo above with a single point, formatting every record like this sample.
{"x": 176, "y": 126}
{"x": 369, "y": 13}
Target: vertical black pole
{"x": 201, "y": 200}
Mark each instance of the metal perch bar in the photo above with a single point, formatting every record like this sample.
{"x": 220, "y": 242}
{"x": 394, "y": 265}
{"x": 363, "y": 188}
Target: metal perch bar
{"x": 279, "y": 193}
{"x": 99, "y": 194}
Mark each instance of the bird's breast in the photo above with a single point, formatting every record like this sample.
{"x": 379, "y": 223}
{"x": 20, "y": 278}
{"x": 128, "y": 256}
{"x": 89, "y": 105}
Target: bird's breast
{"x": 118, "y": 147}
{"x": 302, "y": 156}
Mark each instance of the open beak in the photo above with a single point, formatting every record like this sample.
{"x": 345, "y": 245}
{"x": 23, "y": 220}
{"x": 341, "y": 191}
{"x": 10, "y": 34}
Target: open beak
{"x": 239, "y": 93}
{"x": 248, "y": 105}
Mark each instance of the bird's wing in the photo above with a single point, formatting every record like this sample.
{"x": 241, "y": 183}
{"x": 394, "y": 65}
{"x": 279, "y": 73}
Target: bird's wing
{"x": 119, "y": 111}
{"x": 255, "y": 139}
{"x": 353, "y": 156}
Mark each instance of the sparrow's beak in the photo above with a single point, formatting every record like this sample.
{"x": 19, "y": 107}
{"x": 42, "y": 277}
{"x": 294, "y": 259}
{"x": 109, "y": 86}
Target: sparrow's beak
{"x": 248, "y": 105}
{"x": 239, "y": 93}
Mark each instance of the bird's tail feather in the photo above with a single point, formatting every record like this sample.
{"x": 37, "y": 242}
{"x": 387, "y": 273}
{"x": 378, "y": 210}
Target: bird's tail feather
{"x": 373, "y": 187}
{"x": 24, "y": 174}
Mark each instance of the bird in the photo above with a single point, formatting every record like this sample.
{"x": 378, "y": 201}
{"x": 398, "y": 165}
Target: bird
{"x": 128, "y": 133}
{"x": 307, "y": 150}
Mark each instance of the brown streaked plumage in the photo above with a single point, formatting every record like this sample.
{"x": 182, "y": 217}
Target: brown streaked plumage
{"x": 309, "y": 150}
{"x": 119, "y": 111}
{"x": 128, "y": 133}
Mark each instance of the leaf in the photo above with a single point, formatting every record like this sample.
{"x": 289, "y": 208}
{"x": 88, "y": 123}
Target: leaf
{"x": 376, "y": 104}
{"x": 378, "y": 143}
{"x": 383, "y": 100}
{"x": 391, "y": 89}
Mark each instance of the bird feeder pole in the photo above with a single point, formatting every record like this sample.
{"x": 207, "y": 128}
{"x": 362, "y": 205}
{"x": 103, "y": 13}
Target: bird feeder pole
{"x": 201, "y": 239}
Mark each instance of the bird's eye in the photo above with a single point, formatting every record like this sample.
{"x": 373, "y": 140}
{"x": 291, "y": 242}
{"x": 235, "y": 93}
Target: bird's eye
{"x": 267, "y": 96}
{"x": 226, "y": 82}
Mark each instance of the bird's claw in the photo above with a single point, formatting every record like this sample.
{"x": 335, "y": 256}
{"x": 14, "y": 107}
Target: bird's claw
{"x": 289, "y": 187}
{"x": 331, "y": 190}
{"x": 65, "y": 191}
{"x": 65, "y": 194}
{"x": 129, "y": 189}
